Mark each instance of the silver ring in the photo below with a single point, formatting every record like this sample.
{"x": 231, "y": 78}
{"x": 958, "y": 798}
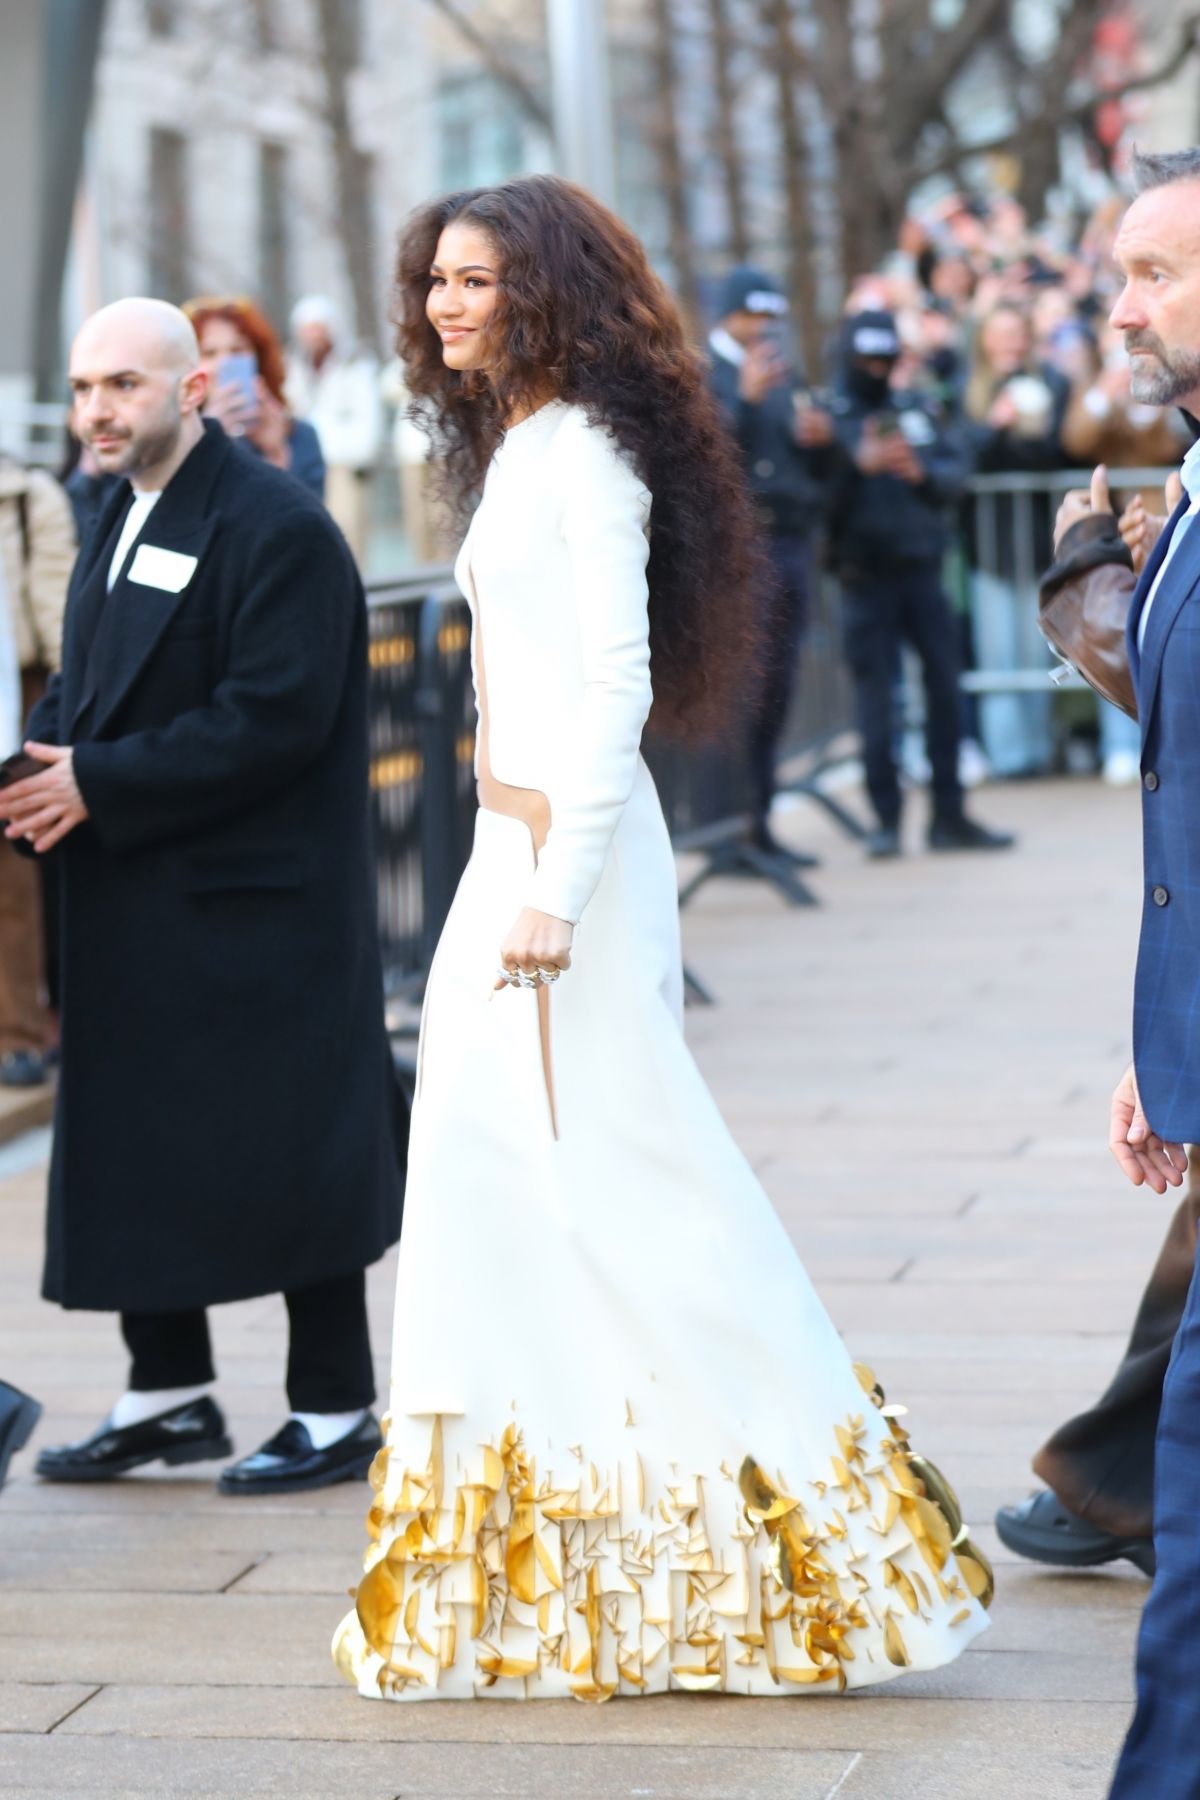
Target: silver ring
{"x": 524, "y": 980}
{"x": 507, "y": 975}
{"x": 547, "y": 975}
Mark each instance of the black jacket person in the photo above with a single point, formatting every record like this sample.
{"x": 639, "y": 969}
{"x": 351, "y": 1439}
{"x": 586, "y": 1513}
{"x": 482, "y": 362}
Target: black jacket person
{"x": 902, "y": 465}
{"x": 225, "y": 1121}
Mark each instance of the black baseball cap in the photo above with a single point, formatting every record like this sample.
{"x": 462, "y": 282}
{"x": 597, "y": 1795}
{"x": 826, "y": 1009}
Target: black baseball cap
{"x": 872, "y": 333}
{"x": 750, "y": 290}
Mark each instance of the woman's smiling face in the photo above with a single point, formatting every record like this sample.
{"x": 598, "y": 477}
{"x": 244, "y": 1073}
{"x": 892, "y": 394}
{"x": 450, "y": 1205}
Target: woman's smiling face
{"x": 463, "y": 294}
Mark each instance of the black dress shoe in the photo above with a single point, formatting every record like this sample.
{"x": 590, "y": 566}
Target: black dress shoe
{"x": 1042, "y": 1529}
{"x": 957, "y": 832}
{"x": 192, "y": 1433}
{"x": 288, "y": 1463}
{"x": 19, "y": 1413}
{"x": 883, "y": 842}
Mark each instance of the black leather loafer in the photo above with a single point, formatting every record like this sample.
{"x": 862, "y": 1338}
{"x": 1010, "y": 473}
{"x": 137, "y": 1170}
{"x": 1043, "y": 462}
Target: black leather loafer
{"x": 192, "y": 1433}
{"x": 957, "y": 832}
{"x": 1042, "y": 1529}
{"x": 19, "y": 1413}
{"x": 288, "y": 1463}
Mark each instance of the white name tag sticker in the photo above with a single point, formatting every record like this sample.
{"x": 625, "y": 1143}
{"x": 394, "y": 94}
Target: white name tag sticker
{"x": 166, "y": 569}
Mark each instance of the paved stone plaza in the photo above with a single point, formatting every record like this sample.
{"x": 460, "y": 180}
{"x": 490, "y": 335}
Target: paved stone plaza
{"x": 920, "y": 1072}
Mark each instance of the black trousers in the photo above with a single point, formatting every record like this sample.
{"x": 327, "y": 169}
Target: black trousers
{"x": 1101, "y": 1464}
{"x": 881, "y": 610}
{"x": 329, "y": 1365}
{"x": 785, "y": 619}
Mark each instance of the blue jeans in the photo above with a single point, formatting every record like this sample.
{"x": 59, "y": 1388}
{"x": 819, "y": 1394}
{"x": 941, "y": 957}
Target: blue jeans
{"x": 1016, "y": 727}
{"x": 1118, "y": 732}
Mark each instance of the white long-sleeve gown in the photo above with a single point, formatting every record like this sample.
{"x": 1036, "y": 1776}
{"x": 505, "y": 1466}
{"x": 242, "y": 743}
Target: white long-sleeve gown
{"x": 627, "y": 1451}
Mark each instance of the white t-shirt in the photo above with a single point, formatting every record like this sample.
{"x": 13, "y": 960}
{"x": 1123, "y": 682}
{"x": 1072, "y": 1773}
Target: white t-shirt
{"x": 135, "y": 518}
{"x": 1189, "y": 474}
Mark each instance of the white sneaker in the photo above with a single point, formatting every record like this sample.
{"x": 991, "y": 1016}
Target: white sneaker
{"x": 1122, "y": 768}
{"x": 914, "y": 763}
{"x": 973, "y": 766}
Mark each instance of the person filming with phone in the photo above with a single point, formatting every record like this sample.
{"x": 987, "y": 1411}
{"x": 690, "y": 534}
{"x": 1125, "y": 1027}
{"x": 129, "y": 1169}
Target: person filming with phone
{"x": 784, "y": 438}
{"x": 244, "y": 362}
{"x": 902, "y": 466}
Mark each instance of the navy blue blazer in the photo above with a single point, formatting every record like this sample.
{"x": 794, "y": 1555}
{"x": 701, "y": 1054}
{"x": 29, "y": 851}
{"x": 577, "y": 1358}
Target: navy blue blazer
{"x": 1166, "y": 674}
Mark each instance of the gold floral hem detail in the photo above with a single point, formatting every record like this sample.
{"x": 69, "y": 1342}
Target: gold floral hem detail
{"x": 599, "y": 1588}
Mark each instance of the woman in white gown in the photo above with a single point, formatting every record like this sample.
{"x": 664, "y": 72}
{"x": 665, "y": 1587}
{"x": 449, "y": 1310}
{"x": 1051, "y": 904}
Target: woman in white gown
{"x": 627, "y": 1451}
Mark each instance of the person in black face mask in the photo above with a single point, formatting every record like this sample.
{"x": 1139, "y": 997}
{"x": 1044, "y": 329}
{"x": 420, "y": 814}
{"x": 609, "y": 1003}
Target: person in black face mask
{"x": 783, "y": 440}
{"x": 901, "y": 467}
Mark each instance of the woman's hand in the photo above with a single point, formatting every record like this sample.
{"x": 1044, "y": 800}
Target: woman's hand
{"x": 1002, "y": 415}
{"x": 536, "y": 941}
{"x": 271, "y": 431}
{"x": 227, "y": 405}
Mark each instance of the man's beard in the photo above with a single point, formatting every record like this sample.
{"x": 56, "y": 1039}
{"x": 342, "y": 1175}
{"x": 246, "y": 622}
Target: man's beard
{"x": 1164, "y": 376}
{"x": 148, "y": 448}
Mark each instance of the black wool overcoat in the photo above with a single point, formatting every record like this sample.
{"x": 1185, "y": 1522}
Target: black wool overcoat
{"x": 226, "y": 1120}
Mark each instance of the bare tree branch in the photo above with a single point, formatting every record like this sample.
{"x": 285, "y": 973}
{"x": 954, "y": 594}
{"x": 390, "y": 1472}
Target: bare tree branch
{"x": 728, "y": 147}
{"x": 484, "y": 44}
{"x": 1189, "y": 40}
{"x": 911, "y": 98}
{"x": 788, "y": 65}
{"x": 352, "y": 171}
{"x": 1078, "y": 112}
{"x": 665, "y": 135}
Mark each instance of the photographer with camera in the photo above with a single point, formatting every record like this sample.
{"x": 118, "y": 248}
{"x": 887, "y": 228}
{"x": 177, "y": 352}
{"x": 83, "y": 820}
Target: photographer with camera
{"x": 902, "y": 465}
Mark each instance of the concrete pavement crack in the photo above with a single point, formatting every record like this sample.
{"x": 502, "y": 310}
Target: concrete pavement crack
{"x": 242, "y": 1573}
{"x": 78, "y": 1707}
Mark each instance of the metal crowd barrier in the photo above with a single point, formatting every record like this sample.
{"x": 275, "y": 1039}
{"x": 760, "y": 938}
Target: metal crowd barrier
{"x": 707, "y": 793}
{"x": 1006, "y": 533}
{"x": 422, "y": 739}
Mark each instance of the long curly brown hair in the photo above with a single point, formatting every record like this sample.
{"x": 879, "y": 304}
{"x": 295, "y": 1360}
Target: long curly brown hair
{"x": 580, "y": 312}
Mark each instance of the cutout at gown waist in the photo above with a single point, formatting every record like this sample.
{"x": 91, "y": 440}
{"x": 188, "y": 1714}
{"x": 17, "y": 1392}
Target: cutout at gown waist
{"x": 529, "y": 805}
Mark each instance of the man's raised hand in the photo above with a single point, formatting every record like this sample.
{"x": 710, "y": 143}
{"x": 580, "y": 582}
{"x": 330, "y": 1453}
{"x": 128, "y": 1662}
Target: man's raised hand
{"x": 1083, "y": 503}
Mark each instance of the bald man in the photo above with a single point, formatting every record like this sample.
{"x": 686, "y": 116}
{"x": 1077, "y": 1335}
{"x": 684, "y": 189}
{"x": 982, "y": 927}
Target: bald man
{"x": 226, "y": 1121}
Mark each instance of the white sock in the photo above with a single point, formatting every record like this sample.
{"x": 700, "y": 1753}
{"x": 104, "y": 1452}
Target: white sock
{"x": 326, "y": 1428}
{"x": 135, "y": 1407}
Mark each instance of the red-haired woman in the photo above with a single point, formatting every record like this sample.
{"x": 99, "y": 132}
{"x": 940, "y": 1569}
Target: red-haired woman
{"x": 627, "y": 1449}
{"x": 230, "y": 326}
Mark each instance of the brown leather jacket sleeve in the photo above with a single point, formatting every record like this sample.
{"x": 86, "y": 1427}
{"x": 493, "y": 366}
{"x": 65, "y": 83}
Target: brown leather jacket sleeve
{"x": 1083, "y": 607}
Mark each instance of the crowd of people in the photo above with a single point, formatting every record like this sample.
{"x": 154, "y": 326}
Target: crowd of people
{"x": 1006, "y": 325}
{"x": 980, "y": 347}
